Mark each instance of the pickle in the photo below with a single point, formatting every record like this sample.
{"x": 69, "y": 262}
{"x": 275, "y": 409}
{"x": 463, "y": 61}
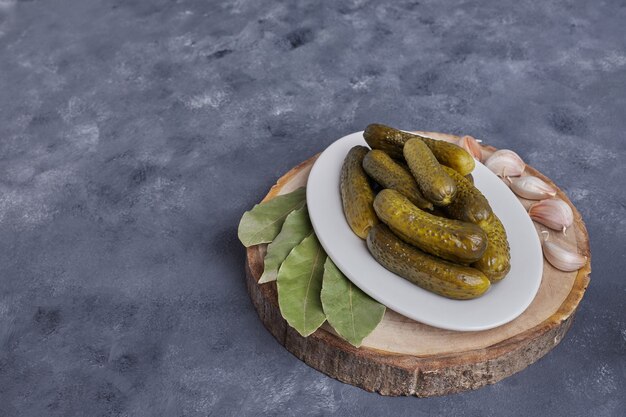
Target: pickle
{"x": 453, "y": 240}
{"x": 469, "y": 204}
{"x": 392, "y": 141}
{"x": 389, "y": 174}
{"x": 470, "y": 178}
{"x": 356, "y": 194}
{"x": 433, "y": 182}
{"x": 496, "y": 261}
{"x": 433, "y": 274}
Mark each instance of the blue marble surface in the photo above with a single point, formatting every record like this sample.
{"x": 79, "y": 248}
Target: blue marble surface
{"x": 134, "y": 134}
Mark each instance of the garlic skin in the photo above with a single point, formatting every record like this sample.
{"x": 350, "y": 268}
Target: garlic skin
{"x": 532, "y": 188}
{"x": 505, "y": 163}
{"x": 471, "y": 145}
{"x": 554, "y": 213}
{"x": 562, "y": 258}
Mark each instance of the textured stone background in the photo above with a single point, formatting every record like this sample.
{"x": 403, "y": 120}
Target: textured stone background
{"x": 133, "y": 135}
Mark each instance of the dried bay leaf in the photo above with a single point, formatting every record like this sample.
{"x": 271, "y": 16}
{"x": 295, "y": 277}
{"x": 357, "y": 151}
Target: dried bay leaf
{"x": 352, "y": 313}
{"x": 299, "y": 284}
{"x": 264, "y": 221}
{"x": 311, "y": 288}
{"x": 296, "y": 227}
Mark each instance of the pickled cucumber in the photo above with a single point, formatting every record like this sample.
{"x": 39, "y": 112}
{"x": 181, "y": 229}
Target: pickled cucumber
{"x": 469, "y": 204}
{"x": 433, "y": 274}
{"x": 433, "y": 182}
{"x": 496, "y": 261}
{"x": 392, "y": 141}
{"x": 356, "y": 194}
{"x": 453, "y": 240}
{"x": 389, "y": 174}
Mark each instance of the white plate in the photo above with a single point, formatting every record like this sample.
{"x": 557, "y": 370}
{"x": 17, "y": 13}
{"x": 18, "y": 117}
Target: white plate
{"x": 502, "y": 303}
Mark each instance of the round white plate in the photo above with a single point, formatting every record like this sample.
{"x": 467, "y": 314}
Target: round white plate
{"x": 502, "y": 303}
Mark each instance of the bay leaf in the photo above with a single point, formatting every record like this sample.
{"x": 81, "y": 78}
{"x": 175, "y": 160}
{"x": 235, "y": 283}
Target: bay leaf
{"x": 264, "y": 221}
{"x": 296, "y": 227}
{"x": 352, "y": 313}
{"x": 299, "y": 284}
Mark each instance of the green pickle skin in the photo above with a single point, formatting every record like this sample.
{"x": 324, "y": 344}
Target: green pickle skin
{"x": 471, "y": 205}
{"x": 389, "y": 174}
{"x": 433, "y": 182}
{"x": 496, "y": 261}
{"x": 453, "y": 240}
{"x": 436, "y": 275}
{"x": 356, "y": 194}
{"x": 392, "y": 141}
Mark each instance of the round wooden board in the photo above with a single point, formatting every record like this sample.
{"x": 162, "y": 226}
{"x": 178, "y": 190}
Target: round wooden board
{"x": 404, "y": 357}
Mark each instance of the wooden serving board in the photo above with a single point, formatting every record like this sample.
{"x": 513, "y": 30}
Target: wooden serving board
{"x": 404, "y": 357}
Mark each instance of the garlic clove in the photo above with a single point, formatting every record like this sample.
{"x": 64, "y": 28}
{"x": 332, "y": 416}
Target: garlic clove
{"x": 554, "y": 213}
{"x": 505, "y": 163}
{"x": 532, "y": 188}
{"x": 471, "y": 145}
{"x": 563, "y": 258}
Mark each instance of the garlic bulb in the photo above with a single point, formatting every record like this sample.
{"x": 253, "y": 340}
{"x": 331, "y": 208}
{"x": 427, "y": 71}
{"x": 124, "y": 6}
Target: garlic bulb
{"x": 565, "y": 259}
{"x": 554, "y": 213}
{"x": 505, "y": 163}
{"x": 471, "y": 145}
{"x": 532, "y": 188}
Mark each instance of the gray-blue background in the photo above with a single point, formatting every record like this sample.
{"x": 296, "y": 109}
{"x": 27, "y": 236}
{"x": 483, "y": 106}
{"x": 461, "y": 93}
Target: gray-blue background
{"x": 133, "y": 135}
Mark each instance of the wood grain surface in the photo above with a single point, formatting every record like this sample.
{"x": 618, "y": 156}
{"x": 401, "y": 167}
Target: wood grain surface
{"x": 404, "y": 357}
